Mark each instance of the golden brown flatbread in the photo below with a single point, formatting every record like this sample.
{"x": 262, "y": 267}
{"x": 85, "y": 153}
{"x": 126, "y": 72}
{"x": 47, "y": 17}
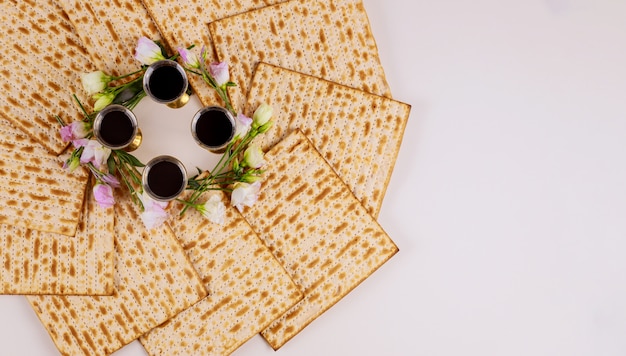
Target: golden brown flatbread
{"x": 317, "y": 229}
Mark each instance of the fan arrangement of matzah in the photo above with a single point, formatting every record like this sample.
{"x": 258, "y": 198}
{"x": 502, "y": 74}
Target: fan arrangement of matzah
{"x": 95, "y": 277}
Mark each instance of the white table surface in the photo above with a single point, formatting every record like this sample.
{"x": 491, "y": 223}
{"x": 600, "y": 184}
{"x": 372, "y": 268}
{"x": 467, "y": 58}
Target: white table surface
{"x": 508, "y": 200}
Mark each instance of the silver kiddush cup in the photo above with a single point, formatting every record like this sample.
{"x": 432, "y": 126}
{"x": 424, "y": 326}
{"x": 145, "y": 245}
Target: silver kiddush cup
{"x": 116, "y": 127}
{"x": 166, "y": 82}
{"x": 164, "y": 178}
{"x": 213, "y": 127}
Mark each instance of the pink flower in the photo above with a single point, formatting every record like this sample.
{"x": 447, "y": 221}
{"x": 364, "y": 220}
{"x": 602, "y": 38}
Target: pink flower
{"x": 111, "y": 180}
{"x": 81, "y": 142}
{"x": 147, "y": 52}
{"x": 154, "y": 214}
{"x": 245, "y": 194}
{"x": 104, "y": 195}
{"x": 219, "y": 71}
{"x": 95, "y": 153}
{"x": 242, "y": 124}
{"x": 74, "y": 131}
{"x": 189, "y": 58}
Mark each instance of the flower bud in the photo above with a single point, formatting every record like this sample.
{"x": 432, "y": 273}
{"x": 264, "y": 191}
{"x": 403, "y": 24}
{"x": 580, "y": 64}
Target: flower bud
{"x": 147, "y": 51}
{"x": 262, "y": 115}
{"x": 189, "y": 58}
{"x": 219, "y": 71}
{"x": 242, "y": 125}
{"x": 95, "y": 82}
{"x": 72, "y": 163}
{"x": 266, "y": 126}
{"x": 253, "y": 157}
{"x": 102, "y": 100}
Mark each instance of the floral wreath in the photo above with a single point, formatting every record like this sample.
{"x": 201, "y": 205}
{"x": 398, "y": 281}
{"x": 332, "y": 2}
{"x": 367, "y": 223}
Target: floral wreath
{"x": 238, "y": 171}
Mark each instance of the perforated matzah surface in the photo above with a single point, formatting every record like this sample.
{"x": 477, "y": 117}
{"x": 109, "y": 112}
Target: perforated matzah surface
{"x": 40, "y": 67}
{"x": 358, "y": 133}
{"x": 317, "y": 229}
{"x": 34, "y": 262}
{"x": 192, "y": 28}
{"x": 327, "y": 39}
{"x": 35, "y": 191}
{"x": 248, "y": 288}
{"x": 154, "y": 280}
{"x": 109, "y": 31}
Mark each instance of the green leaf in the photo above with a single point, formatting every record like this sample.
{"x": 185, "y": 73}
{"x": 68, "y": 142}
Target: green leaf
{"x": 111, "y": 164}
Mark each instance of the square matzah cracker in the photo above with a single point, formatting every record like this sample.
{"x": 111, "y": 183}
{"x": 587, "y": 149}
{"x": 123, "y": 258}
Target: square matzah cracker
{"x": 154, "y": 280}
{"x": 327, "y": 39}
{"x": 109, "y": 31}
{"x": 317, "y": 229}
{"x": 34, "y": 262}
{"x": 358, "y": 133}
{"x": 192, "y": 28}
{"x": 35, "y": 191}
{"x": 248, "y": 288}
{"x": 40, "y": 68}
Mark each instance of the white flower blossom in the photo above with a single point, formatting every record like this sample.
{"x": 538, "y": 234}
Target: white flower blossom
{"x": 213, "y": 209}
{"x": 245, "y": 194}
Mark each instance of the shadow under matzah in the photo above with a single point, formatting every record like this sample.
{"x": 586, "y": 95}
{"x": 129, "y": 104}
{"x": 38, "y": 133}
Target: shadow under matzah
{"x": 317, "y": 229}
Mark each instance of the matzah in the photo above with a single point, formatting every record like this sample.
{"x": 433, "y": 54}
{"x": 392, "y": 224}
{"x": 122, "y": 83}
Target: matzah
{"x": 327, "y": 39}
{"x": 34, "y": 262}
{"x": 35, "y": 191}
{"x": 317, "y": 229}
{"x": 109, "y": 31}
{"x": 154, "y": 280}
{"x": 248, "y": 288}
{"x": 190, "y": 27}
{"x": 358, "y": 133}
{"x": 40, "y": 68}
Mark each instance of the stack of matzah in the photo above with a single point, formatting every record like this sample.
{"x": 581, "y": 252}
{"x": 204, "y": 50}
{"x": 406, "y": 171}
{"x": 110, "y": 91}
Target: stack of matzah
{"x": 318, "y": 229}
{"x": 248, "y": 288}
{"x": 109, "y": 33}
{"x": 154, "y": 281}
{"x": 41, "y": 64}
{"x": 310, "y": 239}
{"x": 52, "y": 238}
{"x": 327, "y": 39}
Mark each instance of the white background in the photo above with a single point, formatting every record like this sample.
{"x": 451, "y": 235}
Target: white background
{"x": 508, "y": 200}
